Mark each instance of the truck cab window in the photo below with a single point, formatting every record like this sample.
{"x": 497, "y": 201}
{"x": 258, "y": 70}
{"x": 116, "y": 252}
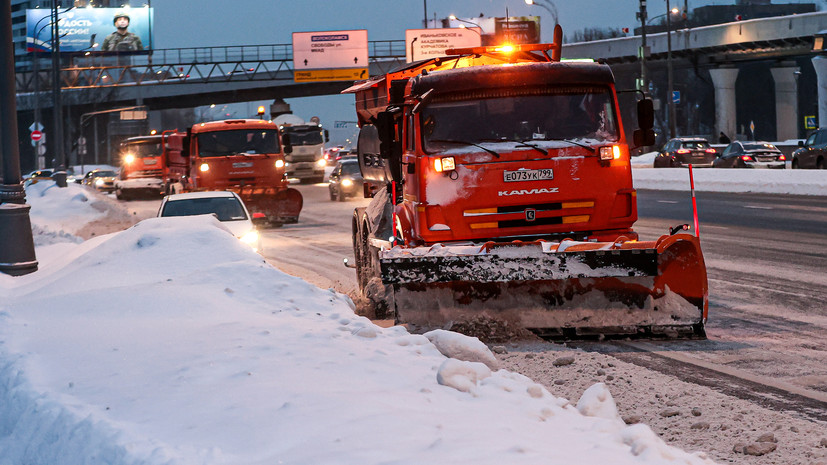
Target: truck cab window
{"x": 574, "y": 113}
{"x": 234, "y": 142}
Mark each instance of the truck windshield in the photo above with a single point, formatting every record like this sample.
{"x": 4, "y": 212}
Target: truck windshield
{"x": 236, "y": 141}
{"x": 142, "y": 149}
{"x": 576, "y": 113}
{"x": 305, "y": 136}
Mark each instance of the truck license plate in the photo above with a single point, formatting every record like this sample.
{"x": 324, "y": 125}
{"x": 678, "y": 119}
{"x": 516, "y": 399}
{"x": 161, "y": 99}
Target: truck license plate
{"x": 243, "y": 164}
{"x": 528, "y": 175}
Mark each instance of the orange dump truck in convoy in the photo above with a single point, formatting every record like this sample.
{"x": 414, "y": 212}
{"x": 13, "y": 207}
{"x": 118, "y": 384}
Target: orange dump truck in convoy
{"x": 509, "y": 197}
{"x": 150, "y": 165}
{"x": 244, "y": 156}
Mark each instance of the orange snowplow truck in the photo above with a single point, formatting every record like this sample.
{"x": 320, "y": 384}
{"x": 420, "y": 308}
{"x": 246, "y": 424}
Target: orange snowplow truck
{"x": 244, "y": 156}
{"x": 150, "y": 166}
{"x": 509, "y": 197}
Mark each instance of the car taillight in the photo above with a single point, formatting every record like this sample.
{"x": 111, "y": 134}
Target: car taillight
{"x": 710, "y": 151}
{"x": 746, "y": 158}
{"x": 682, "y": 151}
{"x": 782, "y": 157}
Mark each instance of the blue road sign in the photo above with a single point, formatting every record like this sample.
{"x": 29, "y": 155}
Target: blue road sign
{"x": 810, "y": 122}
{"x": 676, "y": 96}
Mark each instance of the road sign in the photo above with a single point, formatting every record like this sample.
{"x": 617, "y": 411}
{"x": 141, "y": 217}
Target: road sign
{"x": 36, "y": 126}
{"x": 430, "y": 43}
{"x": 314, "y": 75}
{"x": 332, "y": 49}
{"x": 37, "y": 135}
{"x": 810, "y": 122}
{"x": 676, "y": 96}
{"x": 342, "y": 124}
{"x": 41, "y": 151}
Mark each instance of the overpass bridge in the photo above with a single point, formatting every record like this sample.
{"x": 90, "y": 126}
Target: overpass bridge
{"x": 190, "y": 77}
{"x": 765, "y": 73}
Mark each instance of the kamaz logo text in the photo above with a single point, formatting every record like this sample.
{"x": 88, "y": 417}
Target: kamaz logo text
{"x": 550, "y": 190}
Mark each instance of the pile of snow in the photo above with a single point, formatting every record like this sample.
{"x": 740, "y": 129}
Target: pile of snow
{"x": 788, "y": 181}
{"x": 173, "y": 343}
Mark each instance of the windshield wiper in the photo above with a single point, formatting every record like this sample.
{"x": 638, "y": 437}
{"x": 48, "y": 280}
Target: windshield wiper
{"x": 573, "y": 142}
{"x": 462, "y": 142}
{"x": 523, "y": 142}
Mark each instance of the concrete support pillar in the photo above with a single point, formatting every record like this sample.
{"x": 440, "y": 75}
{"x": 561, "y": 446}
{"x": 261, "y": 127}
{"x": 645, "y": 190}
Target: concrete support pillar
{"x": 786, "y": 101}
{"x": 724, "y": 81}
{"x": 820, "y": 65}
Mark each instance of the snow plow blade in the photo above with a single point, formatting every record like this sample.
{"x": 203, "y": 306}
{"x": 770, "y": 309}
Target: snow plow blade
{"x": 279, "y": 206}
{"x": 567, "y": 289}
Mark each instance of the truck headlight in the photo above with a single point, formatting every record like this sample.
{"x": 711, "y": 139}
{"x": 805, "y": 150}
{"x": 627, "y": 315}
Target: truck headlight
{"x": 204, "y": 167}
{"x": 321, "y": 162}
{"x": 279, "y": 163}
{"x": 610, "y": 152}
{"x": 129, "y": 158}
{"x": 444, "y": 164}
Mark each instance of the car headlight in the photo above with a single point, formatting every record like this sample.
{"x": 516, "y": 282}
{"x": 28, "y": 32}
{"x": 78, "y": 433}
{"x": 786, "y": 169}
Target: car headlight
{"x": 347, "y": 182}
{"x": 99, "y": 182}
{"x": 321, "y": 162}
{"x": 250, "y": 237}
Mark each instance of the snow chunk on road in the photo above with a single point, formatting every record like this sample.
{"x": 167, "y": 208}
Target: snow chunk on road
{"x": 462, "y": 376}
{"x": 462, "y": 347}
{"x": 597, "y": 401}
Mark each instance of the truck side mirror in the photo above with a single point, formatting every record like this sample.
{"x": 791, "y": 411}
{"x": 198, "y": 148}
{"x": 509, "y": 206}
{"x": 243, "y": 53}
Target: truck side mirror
{"x": 645, "y": 114}
{"x": 390, "y": 146}
{"x": 285, "y": 142}
{"x": 801, "y": 143}
{"x": 326, "y": 136}
{"x": 646, "y": 121}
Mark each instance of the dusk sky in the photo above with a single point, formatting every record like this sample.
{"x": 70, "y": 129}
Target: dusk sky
{"x": 196, "y": 23}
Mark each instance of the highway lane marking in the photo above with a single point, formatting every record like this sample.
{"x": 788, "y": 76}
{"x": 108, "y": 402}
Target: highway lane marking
{"x": 758, "y": 207}
{"x": 667, "y": 201}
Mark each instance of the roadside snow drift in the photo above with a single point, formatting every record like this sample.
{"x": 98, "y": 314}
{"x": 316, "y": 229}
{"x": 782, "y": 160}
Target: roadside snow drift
{"x": 173, "y": 343}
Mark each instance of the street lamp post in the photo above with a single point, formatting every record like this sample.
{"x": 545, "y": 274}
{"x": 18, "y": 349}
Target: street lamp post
{"x": 57, "y": 104}
{"x": 670, "y": 84}
{"x": 17, "y": 255}
{"x": 643, "y": 50}
{"x": 36, "y": 68}
{"x": 454, "y": 18}
{"x": 548, "y": 5}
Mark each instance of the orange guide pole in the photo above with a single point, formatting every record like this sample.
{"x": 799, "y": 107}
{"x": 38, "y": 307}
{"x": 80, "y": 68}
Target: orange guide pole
{"x": 694, "y": 203}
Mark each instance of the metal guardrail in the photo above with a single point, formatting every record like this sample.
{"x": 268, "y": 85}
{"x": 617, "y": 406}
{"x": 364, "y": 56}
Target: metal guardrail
{"x": 195, "y": 64}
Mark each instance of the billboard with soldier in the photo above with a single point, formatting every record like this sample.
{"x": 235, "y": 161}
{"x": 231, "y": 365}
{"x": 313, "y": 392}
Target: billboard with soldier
{"x": 122, "y": 30}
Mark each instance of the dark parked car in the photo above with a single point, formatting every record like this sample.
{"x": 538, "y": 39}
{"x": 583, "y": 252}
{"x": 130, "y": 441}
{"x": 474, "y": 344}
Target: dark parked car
{"x": 345, "y": 180}
{"x": 813, "y": 152}
{"x": 751, "y": 155}
{"x": 684, "y": 151}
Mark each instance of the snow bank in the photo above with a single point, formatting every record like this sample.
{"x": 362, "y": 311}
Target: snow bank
{"x": 173, "y": 343}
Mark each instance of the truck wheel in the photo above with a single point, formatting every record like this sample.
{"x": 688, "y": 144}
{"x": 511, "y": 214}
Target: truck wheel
{"x": 119, "y": 194}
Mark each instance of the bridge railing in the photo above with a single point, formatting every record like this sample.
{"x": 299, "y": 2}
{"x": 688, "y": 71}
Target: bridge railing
{"x": 173, "y": 65}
